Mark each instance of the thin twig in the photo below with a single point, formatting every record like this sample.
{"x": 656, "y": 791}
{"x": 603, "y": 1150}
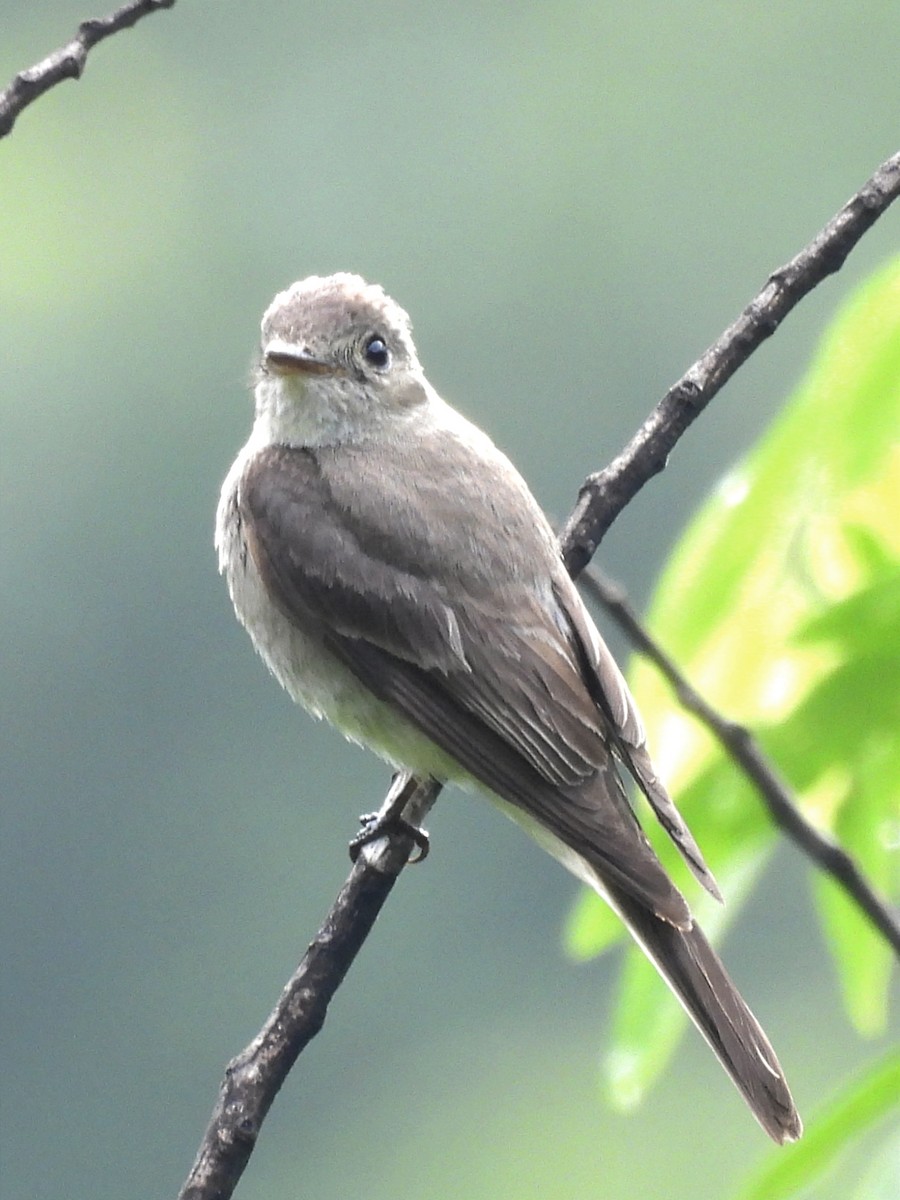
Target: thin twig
{"x": 604, "y": 495}
{"x": 253, "y": 1078}
{"x": 740, "y": 744}
{"x": 69, "y": 61}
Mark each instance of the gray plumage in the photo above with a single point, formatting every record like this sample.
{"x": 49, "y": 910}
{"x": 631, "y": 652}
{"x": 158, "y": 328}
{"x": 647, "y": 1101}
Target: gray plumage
{"x": 397, "y": 575}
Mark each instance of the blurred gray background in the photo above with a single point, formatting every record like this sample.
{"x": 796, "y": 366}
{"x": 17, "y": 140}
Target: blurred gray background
{"x": 571, "y": 200}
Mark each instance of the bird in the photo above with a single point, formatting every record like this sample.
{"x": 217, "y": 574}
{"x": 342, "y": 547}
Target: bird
{"x": 399, "y": 579}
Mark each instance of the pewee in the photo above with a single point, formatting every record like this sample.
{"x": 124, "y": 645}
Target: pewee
{"x": 398, "y": 577}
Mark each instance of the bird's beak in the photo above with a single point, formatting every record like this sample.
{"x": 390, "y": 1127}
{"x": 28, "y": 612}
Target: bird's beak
{"x": 286, "y": 359}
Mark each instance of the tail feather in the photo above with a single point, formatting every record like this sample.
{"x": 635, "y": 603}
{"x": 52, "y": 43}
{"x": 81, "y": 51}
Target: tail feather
{"x": 694, "y": 972}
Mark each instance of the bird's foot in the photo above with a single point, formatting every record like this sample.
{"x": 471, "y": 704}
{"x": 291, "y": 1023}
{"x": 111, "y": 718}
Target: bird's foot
{"x": 383, "y": 824}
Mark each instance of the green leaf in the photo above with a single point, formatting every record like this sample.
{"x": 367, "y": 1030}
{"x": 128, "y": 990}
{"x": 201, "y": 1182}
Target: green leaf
{"x": 590, "y": 928}
{"x": 864, "y": 826}
{"x": 783, "y": 539}
{"x": 883, "y": 1174}
{"x": 791, "y": 1169}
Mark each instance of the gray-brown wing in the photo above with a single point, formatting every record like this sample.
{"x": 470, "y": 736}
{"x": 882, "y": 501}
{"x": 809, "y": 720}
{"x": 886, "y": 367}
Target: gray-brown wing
{"x": 315, "y": 567}
{"x": 501, "y": 692}
{"x": 517, "y": 669}
{"x": 611, "y": 693}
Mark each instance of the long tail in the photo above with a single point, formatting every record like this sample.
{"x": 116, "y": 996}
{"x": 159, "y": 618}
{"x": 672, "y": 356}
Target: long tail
{"x": 695, "y": 974}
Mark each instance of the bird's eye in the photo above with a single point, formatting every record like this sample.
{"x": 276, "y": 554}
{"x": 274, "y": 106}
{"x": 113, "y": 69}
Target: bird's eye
{"x": 376, "y": 352}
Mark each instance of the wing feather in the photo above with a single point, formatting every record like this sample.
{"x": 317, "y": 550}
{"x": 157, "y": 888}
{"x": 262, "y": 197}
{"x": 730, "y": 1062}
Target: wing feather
{"x": 501, "y": 681}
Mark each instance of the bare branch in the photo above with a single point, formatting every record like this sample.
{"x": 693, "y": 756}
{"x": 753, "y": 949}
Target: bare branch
{"x": 235, "y": 1123}
{"x": 604, "y": 495}
{"x": 253, "y": 1078}
{"x": 70, "y": 60}
{"x": 740, "y": 744}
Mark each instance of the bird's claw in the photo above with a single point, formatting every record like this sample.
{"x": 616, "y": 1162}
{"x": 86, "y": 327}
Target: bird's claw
{"x": 376, "y": 825}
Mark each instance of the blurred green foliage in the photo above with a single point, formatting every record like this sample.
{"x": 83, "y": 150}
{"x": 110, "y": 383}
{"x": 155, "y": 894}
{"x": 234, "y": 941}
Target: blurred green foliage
{"x": 781, "y": 603}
